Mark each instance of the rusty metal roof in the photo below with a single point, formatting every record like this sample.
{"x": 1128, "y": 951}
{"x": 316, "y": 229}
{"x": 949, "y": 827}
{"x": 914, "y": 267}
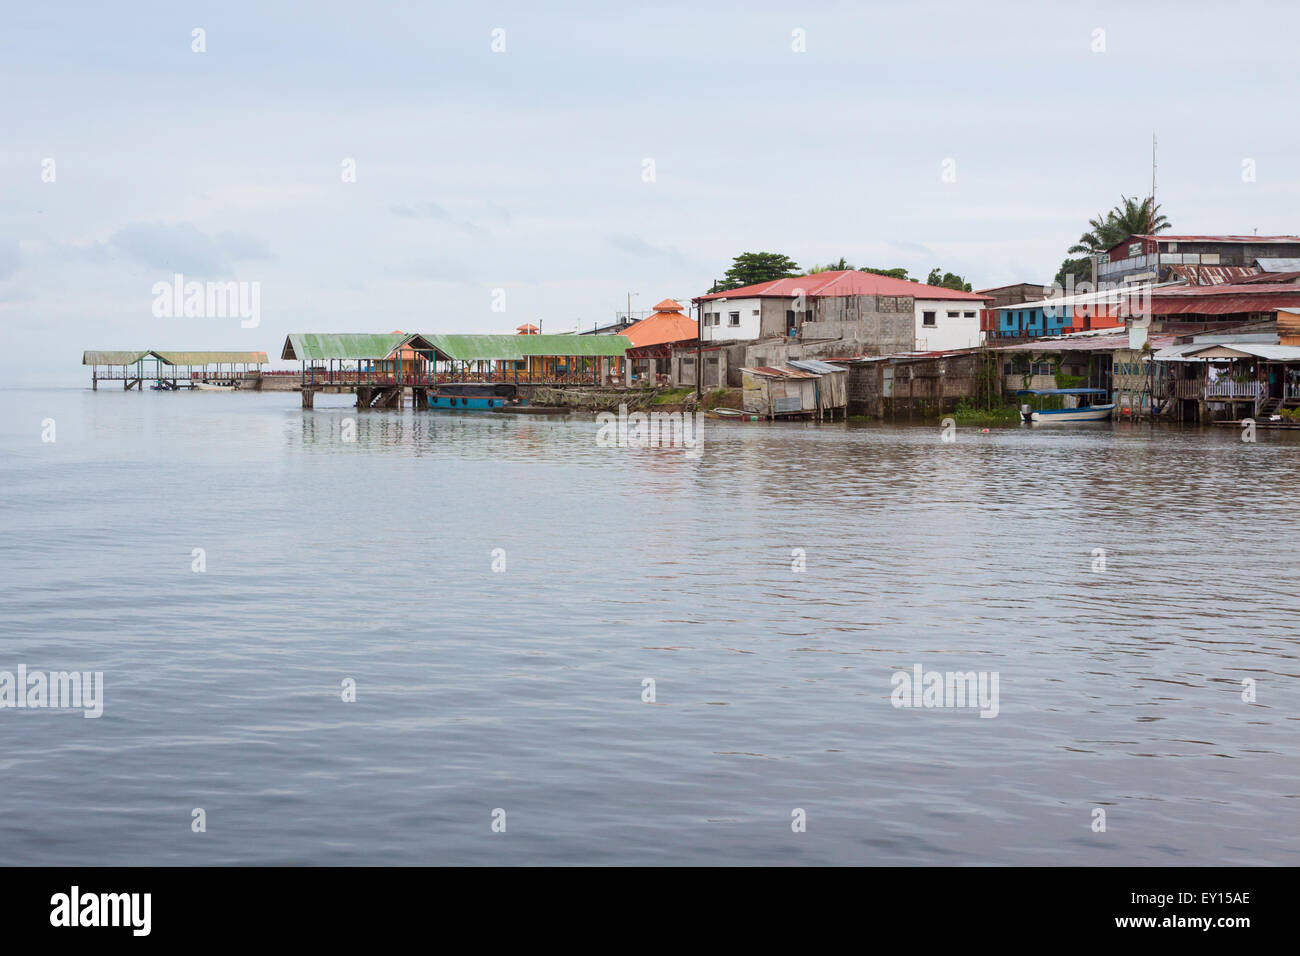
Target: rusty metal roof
{"x": 1212, "y": 275}
{"x": 770, "y": 371}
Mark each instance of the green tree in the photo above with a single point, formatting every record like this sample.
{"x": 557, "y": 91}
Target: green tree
{"x": 948, "y": 280}
{"x": 750, "y": 268}
{"x": 896, "y": 273}
{"x": 1080, "y": 269}
{"x": 1129, "y": 218}
{"x": 840, "y": 266}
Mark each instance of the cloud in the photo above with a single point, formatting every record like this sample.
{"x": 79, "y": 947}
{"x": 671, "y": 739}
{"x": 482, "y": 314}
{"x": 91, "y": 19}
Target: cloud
{"x": 635, "y": 246}
{"x": 8, "y": 259}
{"x": 182, "y": 247}
{"x": 433, "y": 211}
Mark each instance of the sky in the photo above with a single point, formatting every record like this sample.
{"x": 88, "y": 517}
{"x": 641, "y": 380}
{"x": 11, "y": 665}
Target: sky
{"x": 375, "y": 167}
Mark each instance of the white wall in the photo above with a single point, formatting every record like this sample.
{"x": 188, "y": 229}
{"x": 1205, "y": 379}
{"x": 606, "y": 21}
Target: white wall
{"x": 961, "y": 331}
{"x": 750, "y": 316}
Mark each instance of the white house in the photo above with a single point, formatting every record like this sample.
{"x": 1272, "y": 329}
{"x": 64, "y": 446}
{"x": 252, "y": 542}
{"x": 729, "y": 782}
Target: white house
{"x": 732, "y": 318}
{"x": 948, "y": 323}
{"x": 864, "y": 310}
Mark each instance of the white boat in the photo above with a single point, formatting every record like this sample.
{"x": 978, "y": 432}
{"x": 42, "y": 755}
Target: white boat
{"x": 1085, "y": 409}
{"x": 210, "y": 387}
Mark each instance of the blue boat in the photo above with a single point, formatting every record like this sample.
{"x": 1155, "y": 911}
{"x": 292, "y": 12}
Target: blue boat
{"x": 474, "y": 396}
{"x": 1084, "y": 409}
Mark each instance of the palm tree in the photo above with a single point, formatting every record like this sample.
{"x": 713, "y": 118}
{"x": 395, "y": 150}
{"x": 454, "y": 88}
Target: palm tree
{"x": 840, "y": 266}
{"x": 1129, "y": 218}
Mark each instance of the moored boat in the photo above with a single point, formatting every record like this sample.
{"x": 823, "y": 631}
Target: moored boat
{"x": 474, "y": 396}
{"x": 1081, "y": 406}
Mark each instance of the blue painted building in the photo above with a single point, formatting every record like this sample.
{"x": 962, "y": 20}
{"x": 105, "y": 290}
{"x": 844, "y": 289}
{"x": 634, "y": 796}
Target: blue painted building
{"x": 1032, "y": 319}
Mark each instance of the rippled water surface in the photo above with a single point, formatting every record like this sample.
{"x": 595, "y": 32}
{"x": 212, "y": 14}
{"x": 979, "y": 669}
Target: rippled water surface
{"x": 522, "y": 689}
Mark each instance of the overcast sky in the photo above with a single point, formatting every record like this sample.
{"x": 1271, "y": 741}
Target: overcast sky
{"x": 526, "y": 170}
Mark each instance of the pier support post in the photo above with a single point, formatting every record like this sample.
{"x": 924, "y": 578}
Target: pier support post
{"x": 308, "y": 398}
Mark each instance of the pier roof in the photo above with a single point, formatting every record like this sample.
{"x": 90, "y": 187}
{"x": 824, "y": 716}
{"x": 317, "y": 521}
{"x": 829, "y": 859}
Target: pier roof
{"x": 474, "y": 348}
{"x": 211, "y": 358}
{"x": 310, "y": 346}
{"x": 109, "y": 357}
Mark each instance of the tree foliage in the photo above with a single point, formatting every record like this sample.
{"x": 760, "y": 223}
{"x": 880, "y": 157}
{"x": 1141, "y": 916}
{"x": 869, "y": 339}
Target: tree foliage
{"x": 1130, "y": 218}
{"x": 750, "y": 268}
{"x": 947, "y": 280}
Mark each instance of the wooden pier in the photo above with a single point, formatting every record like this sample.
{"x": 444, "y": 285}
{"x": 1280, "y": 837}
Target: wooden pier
{"x": 175, "y": 371}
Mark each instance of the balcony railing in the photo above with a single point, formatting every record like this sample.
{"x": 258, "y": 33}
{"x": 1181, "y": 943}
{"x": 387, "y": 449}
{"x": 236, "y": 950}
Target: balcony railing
{"x": 1210, "y": 391}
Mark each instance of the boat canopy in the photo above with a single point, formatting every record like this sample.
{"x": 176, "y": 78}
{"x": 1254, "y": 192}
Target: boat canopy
{"x": 1062, "y": 391}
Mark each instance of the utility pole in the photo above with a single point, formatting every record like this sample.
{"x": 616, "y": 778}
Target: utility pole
{"x": 1151, "y": 213}
{"x": 629, "y": 306}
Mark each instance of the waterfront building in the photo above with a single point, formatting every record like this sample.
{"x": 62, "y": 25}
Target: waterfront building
{"x": 858, "y": 311}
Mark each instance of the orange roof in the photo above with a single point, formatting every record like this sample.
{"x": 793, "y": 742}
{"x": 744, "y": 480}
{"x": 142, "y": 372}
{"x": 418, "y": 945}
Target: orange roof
{"x": 668, "y": 305}
{"x": 664, "y": 326}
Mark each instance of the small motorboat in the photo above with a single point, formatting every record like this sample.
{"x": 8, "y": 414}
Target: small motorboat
{"x": 1078, "y": 405}
{"x": 475, "y": 396}
{"x": 215, "y": 386}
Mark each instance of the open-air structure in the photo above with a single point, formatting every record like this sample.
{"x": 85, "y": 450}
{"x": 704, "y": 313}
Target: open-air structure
{"x": 379, "y": 366}
{"x": 532, "y": 359}
{"x": 376, "y": 366}
{"x": 174, "y": 370}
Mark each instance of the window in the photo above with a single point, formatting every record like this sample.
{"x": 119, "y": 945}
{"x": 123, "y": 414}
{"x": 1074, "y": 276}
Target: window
{"x": 733, "y": 319}
{"x": 969, "y": 315}
{"x": 717, "y": 318}
{"x": 755, "y": 312}
{"x": 954, "y": 315}
{"x": 1006, "y": 368}
{"x": 927, "y": 319}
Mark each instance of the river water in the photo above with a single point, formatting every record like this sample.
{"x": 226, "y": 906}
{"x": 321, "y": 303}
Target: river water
{"x": 521, "y": 694}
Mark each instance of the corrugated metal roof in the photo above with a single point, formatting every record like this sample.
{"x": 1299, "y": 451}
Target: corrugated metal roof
{"x": 1212, "y": 275}
{"x": 310, "y": 346}
{"x": 842, "y": 283}
{"x": 109, "y": 357}
{"x": 1278, "y": 264}
{"x": 1273, "y": 353}
{"x": 1225, "y": 299}
{"x": 212, "y": 358}
{"x": 1175, "y": 353}
{"x": 472, "y": 348}
{"x": 770, "y": 371}
{"x": 1081, "y": 342}
{"x": 1265, "y": 277}
{"x": 815, "y": 366}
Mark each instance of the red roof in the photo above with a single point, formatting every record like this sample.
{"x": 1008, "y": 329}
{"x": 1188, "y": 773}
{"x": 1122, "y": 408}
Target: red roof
{"x": 1225, "y": 299}
{"x": 661, "y": 327}
{"x": 841, "y": 283}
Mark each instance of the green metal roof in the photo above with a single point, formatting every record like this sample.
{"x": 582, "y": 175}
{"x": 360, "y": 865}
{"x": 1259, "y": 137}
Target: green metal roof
{"x": 212, "y": 358}
{"x": 111, "y": 358}
{"x": 305, "y": 346}
{"x": 472, "y": 348}
{"x": 174, "y": 358}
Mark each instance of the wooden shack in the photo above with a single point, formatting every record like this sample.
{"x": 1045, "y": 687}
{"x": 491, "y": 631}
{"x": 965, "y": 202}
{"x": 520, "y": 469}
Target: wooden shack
{"x": 783, "y": 392}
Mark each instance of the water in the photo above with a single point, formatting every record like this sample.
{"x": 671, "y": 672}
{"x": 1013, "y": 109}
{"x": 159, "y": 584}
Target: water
{"x": 522, "y": 690}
